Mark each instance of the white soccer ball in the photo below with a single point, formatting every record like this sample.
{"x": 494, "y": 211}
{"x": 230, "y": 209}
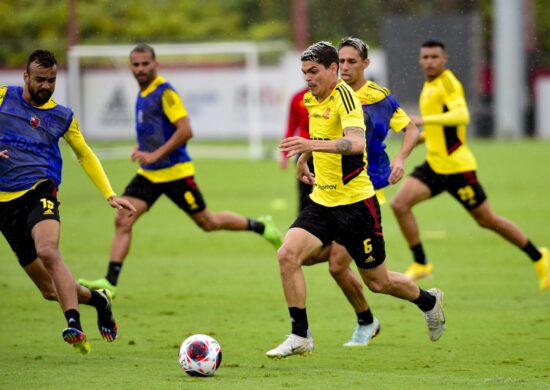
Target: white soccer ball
{"x": 200, "y": 355}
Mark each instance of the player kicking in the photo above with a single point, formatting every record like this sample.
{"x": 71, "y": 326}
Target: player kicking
{"x": 31, "y": 124}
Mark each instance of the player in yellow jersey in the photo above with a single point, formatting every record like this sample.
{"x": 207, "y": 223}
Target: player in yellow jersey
{"x": 382, "y": 113}
{"x": 342, "y": 207}
{"x": 163, "y": 130}
{"x": 450, "y": 166}
{"x": 31, "y": 125}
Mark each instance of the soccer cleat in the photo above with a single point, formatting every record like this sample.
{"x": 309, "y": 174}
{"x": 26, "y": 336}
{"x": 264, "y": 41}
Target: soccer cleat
{"x": 293, "y": 345}
{"x": 271, "y": 233}
{"x": 435, "y": 317}
{"x": 419, "y": 271}
{"x": 105, "y": 320}
{"x": 98, "y": 285}
{"x": 363, "y": 334}
{"x": 542, "y": 267}
{"x": 77, "y": 339}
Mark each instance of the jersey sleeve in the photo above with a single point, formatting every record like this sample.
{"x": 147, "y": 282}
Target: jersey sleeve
{"x": 399, "y": 119}
{"x": 172, "y": 105}
{"x": 453, "y": 98}
{"x": 350, "y": 110}
{"x": 87, "y": 159}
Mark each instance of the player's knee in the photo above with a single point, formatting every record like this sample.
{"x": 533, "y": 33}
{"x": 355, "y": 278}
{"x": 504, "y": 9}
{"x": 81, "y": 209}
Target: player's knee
{"x": 49, "y": 295}
{"x": 378, "y": 286}
{"x": 287, "y": 257}
{"x": 207, "y": 224}
{"x": 49, "y": 253}
{"x": 398, "y": 206}
{"x": 485, "y": 221}
{"x": 337, "y": 269}
{"x": 123, "y": 222}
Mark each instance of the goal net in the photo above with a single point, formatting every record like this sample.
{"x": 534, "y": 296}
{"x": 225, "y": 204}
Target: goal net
{"x": 232, "y": 91}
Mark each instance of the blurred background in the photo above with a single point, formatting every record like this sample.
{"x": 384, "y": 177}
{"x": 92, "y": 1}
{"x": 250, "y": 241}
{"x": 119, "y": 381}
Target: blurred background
{"x": 236, "y": 62}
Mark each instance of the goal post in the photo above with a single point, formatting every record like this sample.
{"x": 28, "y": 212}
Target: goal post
{"x": 102, "y": 96}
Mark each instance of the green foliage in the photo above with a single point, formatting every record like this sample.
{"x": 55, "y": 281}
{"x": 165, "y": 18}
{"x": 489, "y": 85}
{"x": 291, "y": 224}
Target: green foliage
{"x": 28, "y": 24}
{"x": 179, "y": 280}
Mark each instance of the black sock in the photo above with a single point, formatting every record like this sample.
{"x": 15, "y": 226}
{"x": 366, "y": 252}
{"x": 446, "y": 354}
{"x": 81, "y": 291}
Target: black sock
{"x": 97, "y": 300}
{"x": 255, "y": 226}
{"x": 418, "y": 253}
{"x": 365, "y": 317}
{"x": 532, "y": 251}
{"x": 73, "y": 319}
{"x": 299, "y": 321}
{"x": 425, "y": 301}
{"x": 113, "y": 271}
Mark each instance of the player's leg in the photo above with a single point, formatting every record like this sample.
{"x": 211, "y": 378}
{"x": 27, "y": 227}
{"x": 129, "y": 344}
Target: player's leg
{"x": 368, "y": 326}
{"x": 185, "y": 193}
{"x": 298, "y": 245}
{"x": 142, "y": 193}
{"x": 488, "y": 219}
{"x": 382, "y": 281}
{"x": 367, "y": 247}
{"x": 100, "y": 299}
{"x": 46, "y": 237}
{"x": 413, "y": 191}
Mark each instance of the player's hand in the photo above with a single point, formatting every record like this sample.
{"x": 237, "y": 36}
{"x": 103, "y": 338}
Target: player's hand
{"x": 417, "y": 120}
{"x": 397, "y": 170}
{"x": 294, "y": 145}
{"x": 144, "y": 158}
{"x": 121, "y": 203}
{"x": 304, "y": 174}
{"x": 4, "y": 153}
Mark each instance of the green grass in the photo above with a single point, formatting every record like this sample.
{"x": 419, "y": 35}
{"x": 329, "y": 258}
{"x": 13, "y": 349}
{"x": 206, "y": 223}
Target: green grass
{"x": 179, "y": 280}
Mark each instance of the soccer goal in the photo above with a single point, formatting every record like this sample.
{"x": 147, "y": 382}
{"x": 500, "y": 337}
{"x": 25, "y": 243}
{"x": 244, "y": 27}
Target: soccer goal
{"x": 232, "y": 90}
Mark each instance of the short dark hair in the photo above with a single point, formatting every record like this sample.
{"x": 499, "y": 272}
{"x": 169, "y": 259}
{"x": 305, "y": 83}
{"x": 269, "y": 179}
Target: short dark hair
{"x": 44, "y": 58}
{"x": 143, "y": 48}
{"x": 433, "y": 43}
{"x": 361, "y": 47}
{"x": 322, "y": 52}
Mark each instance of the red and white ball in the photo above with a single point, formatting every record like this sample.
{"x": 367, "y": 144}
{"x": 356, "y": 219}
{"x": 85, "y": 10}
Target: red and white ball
{"x": 200, "y": 355}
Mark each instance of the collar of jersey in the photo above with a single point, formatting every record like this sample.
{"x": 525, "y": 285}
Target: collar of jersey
{"x": 154, "y": 84}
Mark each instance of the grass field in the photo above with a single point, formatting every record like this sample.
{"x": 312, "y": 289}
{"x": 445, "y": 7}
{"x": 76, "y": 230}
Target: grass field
{"x": 179, "y": 280}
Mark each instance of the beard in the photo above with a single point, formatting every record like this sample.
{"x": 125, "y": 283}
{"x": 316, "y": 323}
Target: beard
{"x": 40, "y": 97}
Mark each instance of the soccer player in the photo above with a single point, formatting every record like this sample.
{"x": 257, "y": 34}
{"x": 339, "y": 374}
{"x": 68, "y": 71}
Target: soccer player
{"x": 381, "y": 112}
{"x": 31, "y": 124}
{"x": 297, "y": 124}
{"x": 342, "y": 206}
{"x": 163, "y": 130}
{"x": 450, "y": 166}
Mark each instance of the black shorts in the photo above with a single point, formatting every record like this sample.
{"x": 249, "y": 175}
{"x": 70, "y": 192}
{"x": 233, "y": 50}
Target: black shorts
{"x": 357, "y": 226}
{"x": 463, "y": 186}
{"x": 18, "y": 217}
{"x": 183, "y": 192}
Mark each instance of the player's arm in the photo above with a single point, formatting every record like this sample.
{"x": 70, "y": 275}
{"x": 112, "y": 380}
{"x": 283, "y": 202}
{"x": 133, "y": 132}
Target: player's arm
{"x": 410, "y": 140}
{"x": 302, "y": 170}
{"x": 353, "y": 142}
{"x": 456, "y": 115}
{"x": 4, "y": 153}
{"x": 176, "y": 113}
{"x": 91, "y": 165}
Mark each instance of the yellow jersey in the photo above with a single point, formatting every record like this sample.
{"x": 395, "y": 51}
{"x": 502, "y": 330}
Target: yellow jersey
{"x": 339, "y": 179}
{"x": 445, "y": 115}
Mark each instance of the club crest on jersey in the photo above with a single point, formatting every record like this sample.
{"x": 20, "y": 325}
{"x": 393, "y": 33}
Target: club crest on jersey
{"x": 35, "y": 122}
